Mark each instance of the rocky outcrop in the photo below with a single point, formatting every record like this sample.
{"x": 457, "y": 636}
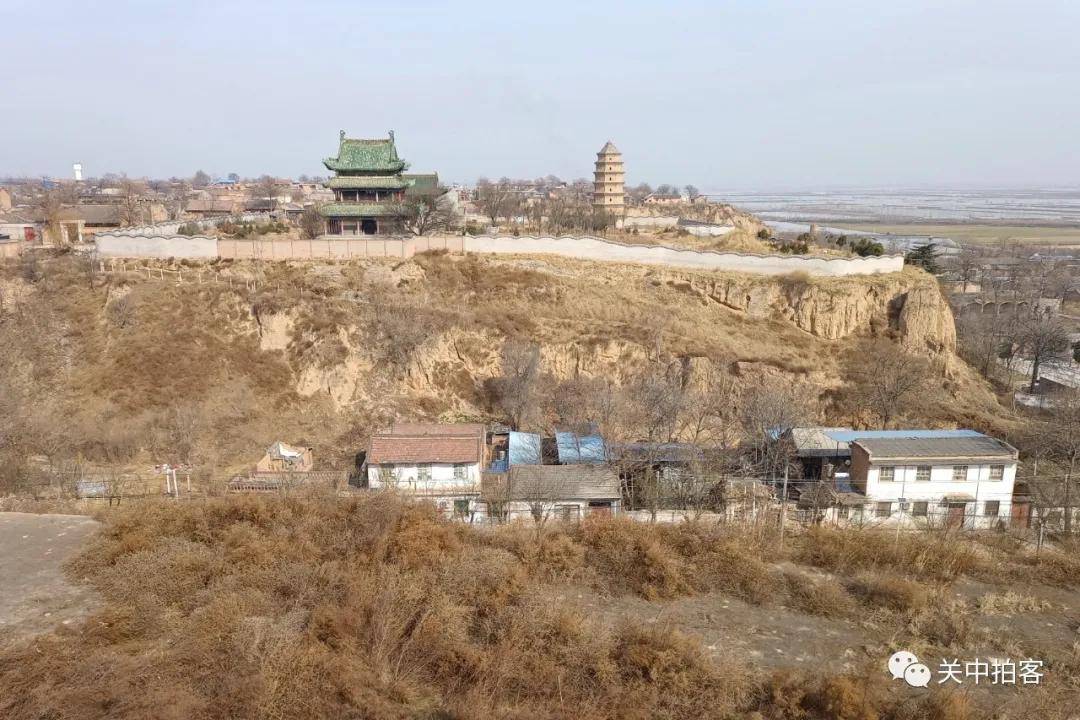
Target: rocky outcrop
{"x": 908, "y": 304}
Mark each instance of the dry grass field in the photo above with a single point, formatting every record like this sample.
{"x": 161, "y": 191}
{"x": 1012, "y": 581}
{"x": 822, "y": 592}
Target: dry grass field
{"x": 982, "y": 234}
{"x": 329, "y": 607}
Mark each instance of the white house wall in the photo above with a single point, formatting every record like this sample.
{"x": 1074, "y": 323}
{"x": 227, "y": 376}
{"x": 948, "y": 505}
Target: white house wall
{"x": 940, "y": 485}
{"x": 442, "y": 489}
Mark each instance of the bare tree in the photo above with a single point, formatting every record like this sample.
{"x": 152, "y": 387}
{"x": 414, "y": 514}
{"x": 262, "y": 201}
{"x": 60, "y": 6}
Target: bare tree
{"x": 887, "y": 383}
{"x": 770, "y": 408}
{"x": 131, "y": 207}
{"x": 496, "y": 200}
{"x": 1061, "y": 434}
{"x": 425, "y": 214}
{"x": 515, "y": 389}
{"x": 51, "y": 206}
{"x": 1042, "y": 337}
{"x": 266, "y": 187}
{"x": 311, "y": 223}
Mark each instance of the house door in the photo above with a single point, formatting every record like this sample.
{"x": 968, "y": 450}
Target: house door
{"x": 29, "y": 235}
{"x": 368, "y": 226}
{"x": 1021, "y": 514}
{"x": 956, "y": 514}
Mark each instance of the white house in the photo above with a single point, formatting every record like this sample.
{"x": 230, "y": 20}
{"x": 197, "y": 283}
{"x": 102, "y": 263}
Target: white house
{"x": 955, "y": 481}
{"x": 435, "y": 462}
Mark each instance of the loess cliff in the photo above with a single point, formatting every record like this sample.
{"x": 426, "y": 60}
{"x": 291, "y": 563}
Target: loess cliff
{"x": 216, "y": 361}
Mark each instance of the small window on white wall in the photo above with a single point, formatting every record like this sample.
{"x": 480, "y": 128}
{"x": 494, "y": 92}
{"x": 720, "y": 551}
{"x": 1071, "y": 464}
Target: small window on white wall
{"x": 922, "y": 473}
{"x": 959, "y": 473}
{"x": 887, "y": 473}
{"x": 997, "y": 472}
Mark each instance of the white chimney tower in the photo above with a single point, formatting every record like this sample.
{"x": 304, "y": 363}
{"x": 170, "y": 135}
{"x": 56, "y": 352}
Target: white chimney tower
{"x": 77, "y": 167}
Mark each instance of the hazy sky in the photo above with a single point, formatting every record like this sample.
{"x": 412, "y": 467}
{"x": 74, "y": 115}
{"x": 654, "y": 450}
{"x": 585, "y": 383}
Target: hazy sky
{"x": 726, "y": 95}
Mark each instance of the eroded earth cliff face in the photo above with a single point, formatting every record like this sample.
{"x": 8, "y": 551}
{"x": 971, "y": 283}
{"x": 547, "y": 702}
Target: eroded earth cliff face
{"x": 254, "y": 354}
{"x": 907, "y": 303}
{"x": 600, "y": 320}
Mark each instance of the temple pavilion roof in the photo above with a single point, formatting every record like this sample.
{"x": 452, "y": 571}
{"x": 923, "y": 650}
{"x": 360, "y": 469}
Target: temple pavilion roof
{"x": 366, "y": 155}
{"x": 351, "y": 209}
{"x": 368, "y": 182}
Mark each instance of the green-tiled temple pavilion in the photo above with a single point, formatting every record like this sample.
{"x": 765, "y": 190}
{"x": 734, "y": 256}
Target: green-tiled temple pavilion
{"x": 368, "y": 188}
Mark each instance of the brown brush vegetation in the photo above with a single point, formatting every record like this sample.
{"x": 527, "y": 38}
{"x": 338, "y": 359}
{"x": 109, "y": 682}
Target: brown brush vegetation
{"x": 651, "y": 561}
{"x": 823, "y": 597}
{"x": 255, "y": 607}
{"x": 252, "y": 607}
{"x": 936, "y": 556}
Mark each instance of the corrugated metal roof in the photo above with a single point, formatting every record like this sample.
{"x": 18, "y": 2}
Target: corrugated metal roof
{"x": 843, "y": 435}
{"x": 816, "y": 441}
{"x": 523, "y": 448}
{"x": 956, "y": 447}
{"x": 575, "y": 449}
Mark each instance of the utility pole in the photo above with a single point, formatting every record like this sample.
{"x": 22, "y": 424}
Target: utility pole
{"x": 903, "y": 501}
{"x": 783, "y": 507}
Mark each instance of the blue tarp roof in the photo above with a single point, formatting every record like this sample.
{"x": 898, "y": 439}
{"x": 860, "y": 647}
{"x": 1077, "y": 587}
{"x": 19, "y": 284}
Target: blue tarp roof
{"x": 852, "y": 435}
{"x": 524, "y": 448}
{"x": 580, "y": 449}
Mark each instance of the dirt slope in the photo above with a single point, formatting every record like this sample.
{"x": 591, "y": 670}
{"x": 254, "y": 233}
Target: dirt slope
{"x": 125, "y": 368}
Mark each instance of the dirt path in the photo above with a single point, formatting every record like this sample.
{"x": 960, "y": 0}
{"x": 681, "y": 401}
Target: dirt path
{"x": 34, "y": 594}
{"x": 768, "y": 636}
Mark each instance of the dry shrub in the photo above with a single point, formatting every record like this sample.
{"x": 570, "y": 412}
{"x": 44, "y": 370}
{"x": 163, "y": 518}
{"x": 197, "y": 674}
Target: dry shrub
{"x": 943, "y": 624}
{"x": 825, "y": 598}
{"x": 630, "y": 557}
{"x": 1010, "y": 603}
{"x": 668, "y": 561}
{"x": 248, "y": 607}
{"x": 553, "y": 556}
{"x": 793, "y": 695}
{"x": 923, "y": 555}
{"x": 938, "y": 705}
{"x": 1059, "y": 566}
{"x": 890, "y": 592}
{"x": 667, "y": 671}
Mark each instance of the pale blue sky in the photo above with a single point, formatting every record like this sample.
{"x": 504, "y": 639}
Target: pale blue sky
{"x": 725, "y": 95}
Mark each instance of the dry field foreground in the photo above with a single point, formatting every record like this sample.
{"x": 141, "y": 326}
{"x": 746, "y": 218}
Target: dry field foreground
{"x": 368, "y": 608}
{"x": 974, "y": 234}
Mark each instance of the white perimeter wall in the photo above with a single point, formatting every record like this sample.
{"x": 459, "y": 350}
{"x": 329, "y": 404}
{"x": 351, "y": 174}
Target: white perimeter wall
{"x": 124, "y": 245}
{"x": 587, "y": 248}
{"x": 132, "y": 245}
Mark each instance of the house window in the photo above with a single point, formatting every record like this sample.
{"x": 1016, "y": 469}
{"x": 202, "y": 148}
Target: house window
{"x": 922, "y": 473}
{"x": 883, "y": 509}
{"x": 387, "y": 475}
{"x": 959, "y": 473}
{"x": 423, "y": 473}
{"x": 567, "y": 512}
{"x": 991, "y": 508}
{"x": 461, "y": 471}
{"x": 887, "y": 473}
{"x": 842, "y": 512}
{"x": 920, "y": 508}
{"x": 461, "y": 508}
{"x": 997, "y": 472}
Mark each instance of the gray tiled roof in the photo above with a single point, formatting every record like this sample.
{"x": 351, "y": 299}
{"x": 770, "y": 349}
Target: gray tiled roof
{"x": 936, "y": 448}
{"x": 558, "y": 482}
